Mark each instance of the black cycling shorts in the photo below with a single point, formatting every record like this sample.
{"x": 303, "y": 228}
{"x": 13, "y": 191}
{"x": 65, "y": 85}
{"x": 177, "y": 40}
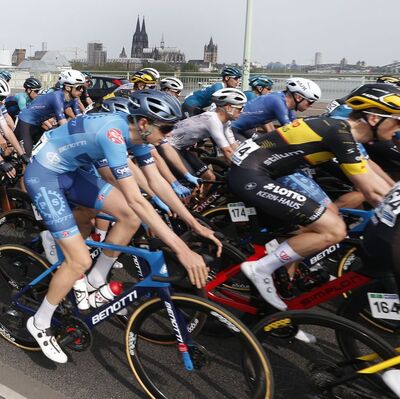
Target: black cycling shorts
{"x": 28, "y": 134}
{"x": 258, "y": 189}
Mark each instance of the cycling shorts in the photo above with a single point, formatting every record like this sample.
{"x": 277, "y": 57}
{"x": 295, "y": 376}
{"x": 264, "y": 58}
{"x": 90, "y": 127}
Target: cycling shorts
{"x": 272, "y": 197}
{"x": 28, "y": 134}
{"x": 303, "y": 184}
{"x": 51, "y": 192}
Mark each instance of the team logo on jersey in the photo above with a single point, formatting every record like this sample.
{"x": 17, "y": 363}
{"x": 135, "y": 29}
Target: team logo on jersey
{"x": 49, "y": 203}
{"x": 115, "y": 136}
{"x": 296, "y": 123}
{"x": 53, "y": 158}
{"x": 250, "y": 186}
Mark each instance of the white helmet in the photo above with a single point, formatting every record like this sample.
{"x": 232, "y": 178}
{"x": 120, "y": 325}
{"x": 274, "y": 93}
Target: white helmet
{"x": 152, "y": 72}
{"x": 171, "y": 83}
{"x": 4, "y": 88}
{"x": 306, "y": 88}
{"x": 229, "y": 96}
{"x": 71, "y": 77}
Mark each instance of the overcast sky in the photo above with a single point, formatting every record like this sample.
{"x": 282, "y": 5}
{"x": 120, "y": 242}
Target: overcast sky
{"x": 282, "y": 29}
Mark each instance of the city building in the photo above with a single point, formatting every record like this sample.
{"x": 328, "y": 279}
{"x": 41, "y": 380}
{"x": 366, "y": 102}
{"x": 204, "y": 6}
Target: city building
{"x": 140, "y": 47}
{"x": 210, "y": 52}
{"x": 46, "y": 61}
{"x": 96, "y": 55}
{"x": 318, "y": 58}
{"x": 18, "y": 56}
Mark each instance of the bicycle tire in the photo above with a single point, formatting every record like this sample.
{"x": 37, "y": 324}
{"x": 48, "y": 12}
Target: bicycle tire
{"x": 328, "y": 362}
{"x": 19, "y": 199}
{"x": 19, "y": 266}
{"x": 206, "y": 350}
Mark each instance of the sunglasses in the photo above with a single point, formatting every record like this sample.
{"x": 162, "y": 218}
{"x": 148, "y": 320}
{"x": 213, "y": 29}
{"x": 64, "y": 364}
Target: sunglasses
{"x": 234, "y": 77}
{"x": 238, "y": 107}
{"x": 175, "y": 91}
{"x": 35, "y": 90}
{"x": 79, "y": 88}
{"x": 164, "y": 128}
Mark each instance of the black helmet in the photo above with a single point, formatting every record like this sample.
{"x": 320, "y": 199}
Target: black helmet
{"x": 32, "y": 83}
{"x": 155, "y": 105}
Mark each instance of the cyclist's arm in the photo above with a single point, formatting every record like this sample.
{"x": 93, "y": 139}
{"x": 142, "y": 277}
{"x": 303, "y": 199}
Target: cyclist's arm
{"x": 162, "y": 167}
{"x": 173, "y": 157}
{"x": 21, "y": 101}
{"x": 268, "y": 127}
{"x": 380, "y": 172}
{"x": 10, "y": 136}
{"x": 10, "y": 121}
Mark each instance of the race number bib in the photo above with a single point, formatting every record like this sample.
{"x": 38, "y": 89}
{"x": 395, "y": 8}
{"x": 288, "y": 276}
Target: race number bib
{"x": 243, "y": 151}
{"x": 384, "y": 306}
{"x": 239, "y": 213}
{"x": 389, "y": 208}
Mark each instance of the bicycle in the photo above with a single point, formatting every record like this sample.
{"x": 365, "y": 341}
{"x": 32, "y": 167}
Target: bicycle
{"x": 178, "y": 318}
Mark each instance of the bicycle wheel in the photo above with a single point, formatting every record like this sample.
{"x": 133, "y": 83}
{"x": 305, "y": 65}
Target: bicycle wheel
{"x": 19, "y": 266}
{"x": 234, "y": 367}
{"x": 19, "y": 226}
{"x": 327, "y": 367}
{"x": 359, "y": 306}
{"x": 19, "y": 199}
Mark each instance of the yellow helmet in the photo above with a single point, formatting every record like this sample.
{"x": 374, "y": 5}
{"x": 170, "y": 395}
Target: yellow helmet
{"x": 142, "y": 77}
{"x": 382, "y": 96}
{"x": 388, "y": 79}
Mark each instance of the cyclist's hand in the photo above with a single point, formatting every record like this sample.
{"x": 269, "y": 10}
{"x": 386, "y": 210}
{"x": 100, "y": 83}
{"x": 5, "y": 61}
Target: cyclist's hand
{"x": 192, "y": 179}
{"x": 207, "y": 233}
{"x": 195, "y": 266}
{"x": 181, "y": 191}
{"x": 8, "y": 169}
{"x": 25, "y": 159}
{"x": 160, "y": 205}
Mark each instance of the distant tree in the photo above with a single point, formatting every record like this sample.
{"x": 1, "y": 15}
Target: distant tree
{"x": 189, "y": 67}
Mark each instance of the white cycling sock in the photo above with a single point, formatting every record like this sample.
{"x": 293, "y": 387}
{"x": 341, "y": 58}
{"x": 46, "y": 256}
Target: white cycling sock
{"x": 102, "y": 233}
{"x": 283, "y": 255}
{"x": 42, "y": 318}
{"x": 98, "y": 275}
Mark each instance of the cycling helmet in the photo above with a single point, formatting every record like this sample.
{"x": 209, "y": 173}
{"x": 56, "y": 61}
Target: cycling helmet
{"x": 87, "y": 75}
{"x": 155, "y": 105}
{"x": 152, "y": 72}
{"x": 32, "y": 83}
{"x": 382, "y": 96}
{"x": 306, "y": 88}
{"x": 5, "y": 75}
{"x": 4, "y": 88}
{"x": 388, "y": 79}
{"x": 171, "y": 83}
{"x": 263, "y": 81}
{"x": 116, "y": 104}
{"x": 71, "y": 77}
{"x": 231, "y": 71}
{"x": 143, "y": 77}
{"x": 229, "y": 96}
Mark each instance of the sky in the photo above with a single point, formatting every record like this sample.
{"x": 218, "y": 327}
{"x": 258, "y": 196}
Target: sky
{"x": 283, "y": 30}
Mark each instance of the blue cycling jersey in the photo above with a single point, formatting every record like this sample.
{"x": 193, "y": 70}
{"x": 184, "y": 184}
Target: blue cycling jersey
{"x": 17, "y": 102}
{"x": 3, "y": 109}
{"x": 47, "y": 106}
{"x": 264, "y": 109}
{"x": 90, "y": 138}
{"x": 250, "y": 95}
{"x": 202, "y": 98}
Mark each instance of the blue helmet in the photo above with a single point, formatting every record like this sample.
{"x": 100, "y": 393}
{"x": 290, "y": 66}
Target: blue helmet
{"x": 155, "y": 105}
{"x": 231, "y": 71}
{"x": 5, "y": 75}
{"x": 263, "y": 81}
{"x": 116, "y": 104}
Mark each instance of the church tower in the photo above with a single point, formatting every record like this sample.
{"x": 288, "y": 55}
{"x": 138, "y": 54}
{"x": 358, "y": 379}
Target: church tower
{"x": 210, "y": 52}
{"x": 140, "y": 40}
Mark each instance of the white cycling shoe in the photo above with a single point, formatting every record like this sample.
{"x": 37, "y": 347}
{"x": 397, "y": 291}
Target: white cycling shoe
{"x": 392, "y": 379}
{"x": 264, "y": 284}
{"x": 47, "y": 342}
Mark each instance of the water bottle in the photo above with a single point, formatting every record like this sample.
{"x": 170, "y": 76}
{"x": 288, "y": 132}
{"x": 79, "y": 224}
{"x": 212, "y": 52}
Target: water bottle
{"x": 81, "y": 294}
{"x": 105, "y": 294}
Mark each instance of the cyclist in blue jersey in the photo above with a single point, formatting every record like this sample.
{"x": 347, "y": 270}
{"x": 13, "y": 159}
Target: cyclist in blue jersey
{"x": 195, "y": 103}
{"x": 19, "y": 101}
{"x": 299, "y": 95}
{"x": 6, "y": 75}
{"x": 260, "y": 85}
{"x": 29, "y": 126}
{"x": 55, "y": 177}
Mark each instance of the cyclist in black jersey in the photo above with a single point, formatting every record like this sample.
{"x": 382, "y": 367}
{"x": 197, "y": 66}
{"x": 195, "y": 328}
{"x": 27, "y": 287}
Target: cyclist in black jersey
{"x": 257, "y": 164}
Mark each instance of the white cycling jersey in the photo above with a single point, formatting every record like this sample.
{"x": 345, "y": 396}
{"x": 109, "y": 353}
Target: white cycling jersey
{"x": 196, "y": 128}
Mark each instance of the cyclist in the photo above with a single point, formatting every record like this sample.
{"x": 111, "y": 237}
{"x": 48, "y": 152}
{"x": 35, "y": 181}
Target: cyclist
{"x": 29, "y": 126}
{"x": 171, "y": 85}
{"x": 389, "y": 79}
{"x": 19, "y": 101}
{"x": 258, "y": 164}
{"x": 154, "y": 74}
{"x": 299, "y": 95}
{"x": 260, "y": 85}
{"x": 216, "y": 125}
{"x": 55, "y": 176}
{"x": 195, "y": 103}
{"x": 85, "y": 97}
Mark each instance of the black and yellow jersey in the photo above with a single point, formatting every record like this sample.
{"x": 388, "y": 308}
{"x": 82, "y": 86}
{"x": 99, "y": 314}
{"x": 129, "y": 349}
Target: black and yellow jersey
{"x": 312, "y": 140}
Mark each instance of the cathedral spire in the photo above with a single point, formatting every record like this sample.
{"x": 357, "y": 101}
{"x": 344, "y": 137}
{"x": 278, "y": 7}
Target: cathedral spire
{"x": 137, "y": 26}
